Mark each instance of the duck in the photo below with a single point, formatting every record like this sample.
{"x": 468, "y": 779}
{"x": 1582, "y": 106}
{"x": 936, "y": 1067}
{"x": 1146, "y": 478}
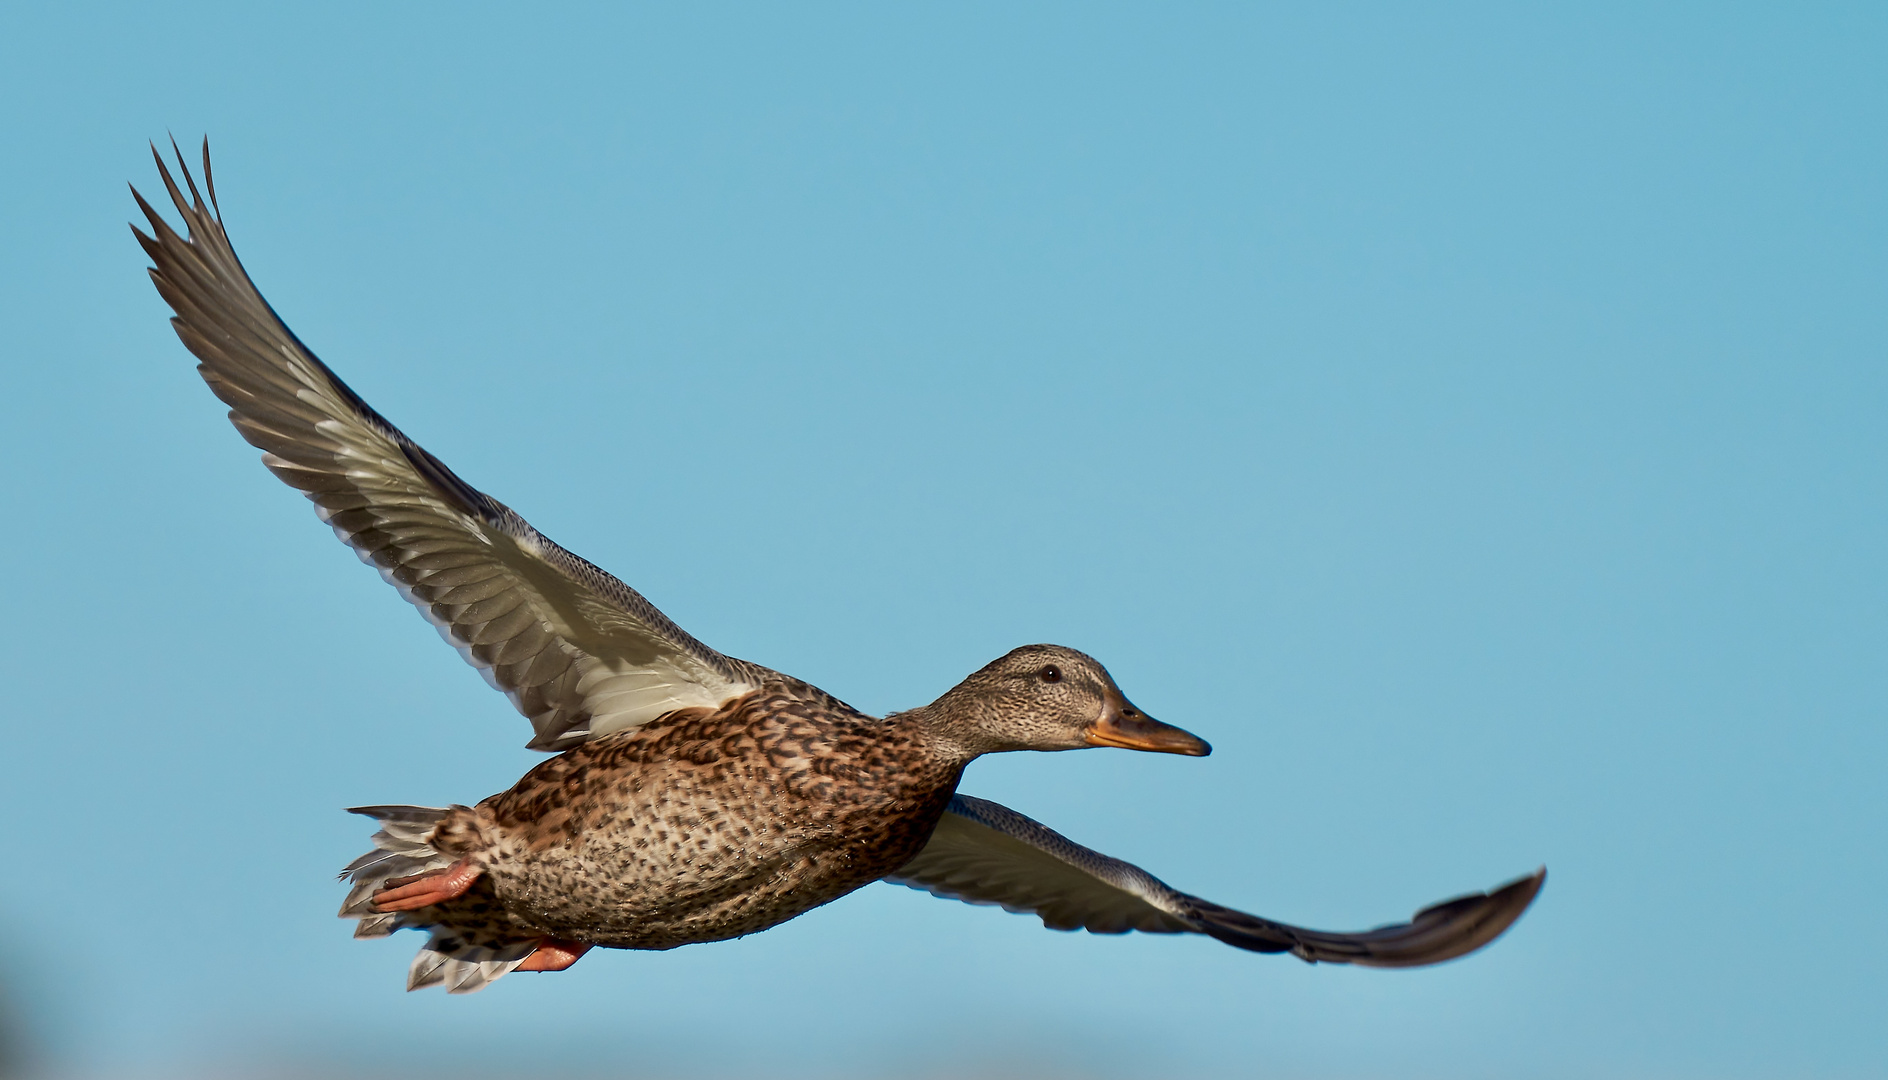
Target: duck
{"x": 691, "y": 796}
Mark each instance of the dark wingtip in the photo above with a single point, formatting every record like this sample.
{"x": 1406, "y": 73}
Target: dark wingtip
{"x": 1466, "y": 923}
{"x": 1439, "y": 932}
{"x": 143, "y": 205}
{"x": 1519, "y": 893}
{"x": 183, "y": 167}
{"x": 209, "y": 179}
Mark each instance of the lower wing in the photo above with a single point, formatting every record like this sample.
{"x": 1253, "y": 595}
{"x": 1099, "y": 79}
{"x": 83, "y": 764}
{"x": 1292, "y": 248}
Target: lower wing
{"x": 984, "y": 853}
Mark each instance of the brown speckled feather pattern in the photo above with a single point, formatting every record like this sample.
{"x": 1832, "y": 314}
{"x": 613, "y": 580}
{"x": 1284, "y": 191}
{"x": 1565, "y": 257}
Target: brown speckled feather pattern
{"x": 700, "y": 826}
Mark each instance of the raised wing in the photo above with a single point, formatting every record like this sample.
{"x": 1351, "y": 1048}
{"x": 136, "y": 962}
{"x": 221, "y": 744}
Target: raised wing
{"x": 578, "y": 652}
{"x": 983, "y": 853}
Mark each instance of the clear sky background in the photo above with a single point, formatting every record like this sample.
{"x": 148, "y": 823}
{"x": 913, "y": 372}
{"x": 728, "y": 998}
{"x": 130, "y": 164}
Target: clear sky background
{"x": 1469, "y": 420}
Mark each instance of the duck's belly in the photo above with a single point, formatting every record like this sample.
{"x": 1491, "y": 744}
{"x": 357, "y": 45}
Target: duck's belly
{"x": 665, "y": 856}
{"x": 655, "y": 884}
{"x": 606, "y": 895}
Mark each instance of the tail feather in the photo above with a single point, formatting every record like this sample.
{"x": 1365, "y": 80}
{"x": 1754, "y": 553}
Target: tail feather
{"x": 400, "y": 850}
{"x": 461, "y": 960}
{"x": 462, "y": 966}
{"x": 373, "y": 926}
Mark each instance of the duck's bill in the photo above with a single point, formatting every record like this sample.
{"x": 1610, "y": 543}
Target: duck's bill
{"x": 1131, "y": 729}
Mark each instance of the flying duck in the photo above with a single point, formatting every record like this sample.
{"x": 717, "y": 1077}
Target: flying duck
{"x": 692, "y": 797}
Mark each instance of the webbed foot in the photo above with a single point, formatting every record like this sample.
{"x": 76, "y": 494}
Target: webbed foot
{"x": 553, "y": 955}
{"x": 425, "y": 890}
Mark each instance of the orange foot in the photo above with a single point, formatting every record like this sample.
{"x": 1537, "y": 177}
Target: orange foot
{"x": 425, "y": 890}
{"x": 553, "y": 955}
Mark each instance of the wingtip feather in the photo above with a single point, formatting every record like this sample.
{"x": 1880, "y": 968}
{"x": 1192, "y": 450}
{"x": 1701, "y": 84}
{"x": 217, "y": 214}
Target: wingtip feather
{"x": 1439, "y": 932}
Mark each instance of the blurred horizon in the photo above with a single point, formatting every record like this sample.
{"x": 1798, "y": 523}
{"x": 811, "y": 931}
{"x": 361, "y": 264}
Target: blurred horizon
{"x": 1468, "y": 419}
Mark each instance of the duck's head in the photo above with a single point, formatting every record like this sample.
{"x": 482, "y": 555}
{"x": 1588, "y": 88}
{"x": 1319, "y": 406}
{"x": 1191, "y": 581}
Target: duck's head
{"x": 1047, "y": 697}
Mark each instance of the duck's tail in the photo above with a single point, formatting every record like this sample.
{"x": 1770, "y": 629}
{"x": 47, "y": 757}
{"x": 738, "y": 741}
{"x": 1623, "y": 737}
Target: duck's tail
{"x": 463, "y": 958}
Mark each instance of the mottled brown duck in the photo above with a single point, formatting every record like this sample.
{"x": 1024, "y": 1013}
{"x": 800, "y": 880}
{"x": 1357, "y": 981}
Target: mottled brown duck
{"x": 693, "y": 797}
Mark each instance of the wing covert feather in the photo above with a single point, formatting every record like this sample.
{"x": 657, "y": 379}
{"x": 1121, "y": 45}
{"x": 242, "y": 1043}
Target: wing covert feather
{"x": 985, "y": 853}
{"x": 578, "y": 652}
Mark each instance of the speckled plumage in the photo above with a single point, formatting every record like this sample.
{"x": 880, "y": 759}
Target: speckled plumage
{"x": 700, "y": 826}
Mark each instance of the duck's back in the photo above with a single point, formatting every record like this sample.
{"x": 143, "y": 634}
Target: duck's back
{"x": 707, "y": 825}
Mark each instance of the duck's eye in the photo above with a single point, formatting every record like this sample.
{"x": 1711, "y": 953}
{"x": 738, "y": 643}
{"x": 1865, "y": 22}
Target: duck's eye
{"x": 1051, "y": 674}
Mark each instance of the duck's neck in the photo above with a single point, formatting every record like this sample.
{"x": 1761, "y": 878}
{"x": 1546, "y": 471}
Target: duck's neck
{"x": 956, "y": 726}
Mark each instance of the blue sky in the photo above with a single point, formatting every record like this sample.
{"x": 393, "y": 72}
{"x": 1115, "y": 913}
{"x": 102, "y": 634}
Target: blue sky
{"x": 1468, "y": 420}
